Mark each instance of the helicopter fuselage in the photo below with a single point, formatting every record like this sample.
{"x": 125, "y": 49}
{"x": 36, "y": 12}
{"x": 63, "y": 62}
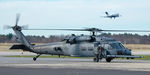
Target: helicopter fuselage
{"x": 80, "y": 46}
{"x": 80, "y": 49}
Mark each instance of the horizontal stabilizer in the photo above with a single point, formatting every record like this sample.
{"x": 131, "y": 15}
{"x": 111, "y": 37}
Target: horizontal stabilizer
{"x": 23, "y": 47}
{"x": 17, "y": 47}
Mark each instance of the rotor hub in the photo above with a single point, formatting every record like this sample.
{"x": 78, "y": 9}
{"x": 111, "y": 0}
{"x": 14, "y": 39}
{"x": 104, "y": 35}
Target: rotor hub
{"x": 17, "y": 28}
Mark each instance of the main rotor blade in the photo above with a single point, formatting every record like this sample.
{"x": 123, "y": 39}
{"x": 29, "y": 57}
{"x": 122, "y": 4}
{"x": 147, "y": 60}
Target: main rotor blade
{"x": 24, "y": 27}
{"x": 86, "y": 29}
{"x": 17, "y": 19}
{"x": 58, "y": 29}
{"x": 125, "y": 30}
{"x": 94, "y": 30}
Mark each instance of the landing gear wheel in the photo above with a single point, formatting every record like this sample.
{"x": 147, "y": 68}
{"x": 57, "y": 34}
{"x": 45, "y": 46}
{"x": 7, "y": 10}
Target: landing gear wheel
{"x": 108, "y": 59}
{"x": 96, "y": 59}
{"x": 34, "y": 58}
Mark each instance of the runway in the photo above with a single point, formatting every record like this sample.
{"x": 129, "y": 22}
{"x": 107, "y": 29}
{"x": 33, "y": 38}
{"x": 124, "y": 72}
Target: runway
{"x": 69, "y": 66}
{"x": 65, "y": 71}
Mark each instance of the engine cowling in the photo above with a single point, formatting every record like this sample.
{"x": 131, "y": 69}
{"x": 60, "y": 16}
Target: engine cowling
{"x": 76, "y": 39}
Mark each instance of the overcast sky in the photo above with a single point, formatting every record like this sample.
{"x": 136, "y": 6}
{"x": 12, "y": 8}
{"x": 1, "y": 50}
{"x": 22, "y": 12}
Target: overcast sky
{"x": 74, "y": 14}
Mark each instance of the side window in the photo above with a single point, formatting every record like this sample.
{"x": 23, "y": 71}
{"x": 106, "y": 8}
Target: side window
{"x": 83, "y": 49}
{"x": 57, "y": 48}
{"x": 90, "y": 49}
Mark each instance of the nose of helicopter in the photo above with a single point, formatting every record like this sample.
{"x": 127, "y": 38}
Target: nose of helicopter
{"x": 127, "y": 52}
{"x": 123, "y": 52}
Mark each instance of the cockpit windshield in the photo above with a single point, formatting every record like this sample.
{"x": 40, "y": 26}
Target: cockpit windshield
{"x": 117, "y": 46}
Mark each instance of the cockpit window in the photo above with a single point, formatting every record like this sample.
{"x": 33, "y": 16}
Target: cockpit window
{"x": 117, "y": 46}
{"x": 121, "y": 46}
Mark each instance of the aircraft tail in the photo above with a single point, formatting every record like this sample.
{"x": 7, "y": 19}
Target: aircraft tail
{"x": 25, "y": 44}
{"x": 106, "y": 13}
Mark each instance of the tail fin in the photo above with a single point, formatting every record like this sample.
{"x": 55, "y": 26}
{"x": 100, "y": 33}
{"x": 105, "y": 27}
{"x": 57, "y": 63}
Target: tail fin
{"x": 106, "y": 13}
{"x": 21, "y": 38}
{"x": 25, "y": 44}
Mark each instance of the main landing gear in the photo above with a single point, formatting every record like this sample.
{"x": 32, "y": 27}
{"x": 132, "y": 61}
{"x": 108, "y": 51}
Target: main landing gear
{"x": 34, "y": 58}
{"x": 96, "y": 59}
{"x": 109, "y": 59}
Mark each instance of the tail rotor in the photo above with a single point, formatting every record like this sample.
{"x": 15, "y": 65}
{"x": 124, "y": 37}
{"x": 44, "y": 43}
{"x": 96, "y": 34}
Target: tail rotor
{"x": 17, "y": 27}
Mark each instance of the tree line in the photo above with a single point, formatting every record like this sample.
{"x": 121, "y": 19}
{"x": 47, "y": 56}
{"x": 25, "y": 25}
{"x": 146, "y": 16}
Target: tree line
{"x": 124, "y": 38}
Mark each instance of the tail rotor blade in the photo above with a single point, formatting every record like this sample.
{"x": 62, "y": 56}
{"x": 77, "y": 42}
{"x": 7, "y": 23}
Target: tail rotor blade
{"x": 7, "y": 27}
{"x": 125, "y": 30}
{"x": 17, "y": 19}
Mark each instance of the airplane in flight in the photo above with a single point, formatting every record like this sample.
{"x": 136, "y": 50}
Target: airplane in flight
{"x": 111, "y": 16}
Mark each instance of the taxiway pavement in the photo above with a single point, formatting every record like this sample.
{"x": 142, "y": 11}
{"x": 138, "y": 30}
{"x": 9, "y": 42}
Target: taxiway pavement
{"x": 71, "y": 66}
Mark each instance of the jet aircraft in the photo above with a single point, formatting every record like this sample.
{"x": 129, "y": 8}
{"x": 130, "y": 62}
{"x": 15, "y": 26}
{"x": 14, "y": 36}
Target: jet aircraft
{"x": 111, "y": 16}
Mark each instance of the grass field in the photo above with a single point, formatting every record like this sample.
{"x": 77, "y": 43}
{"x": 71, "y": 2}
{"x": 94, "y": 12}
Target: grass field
{"x": 139, "y": 47}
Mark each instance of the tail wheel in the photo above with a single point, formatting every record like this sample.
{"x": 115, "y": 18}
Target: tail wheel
{"x": 34, "y": 59}
{"x": 109, "y": 59}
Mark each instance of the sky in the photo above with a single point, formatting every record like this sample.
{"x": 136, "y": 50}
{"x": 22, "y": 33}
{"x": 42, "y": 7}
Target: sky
{"x": 135, "y": 15}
